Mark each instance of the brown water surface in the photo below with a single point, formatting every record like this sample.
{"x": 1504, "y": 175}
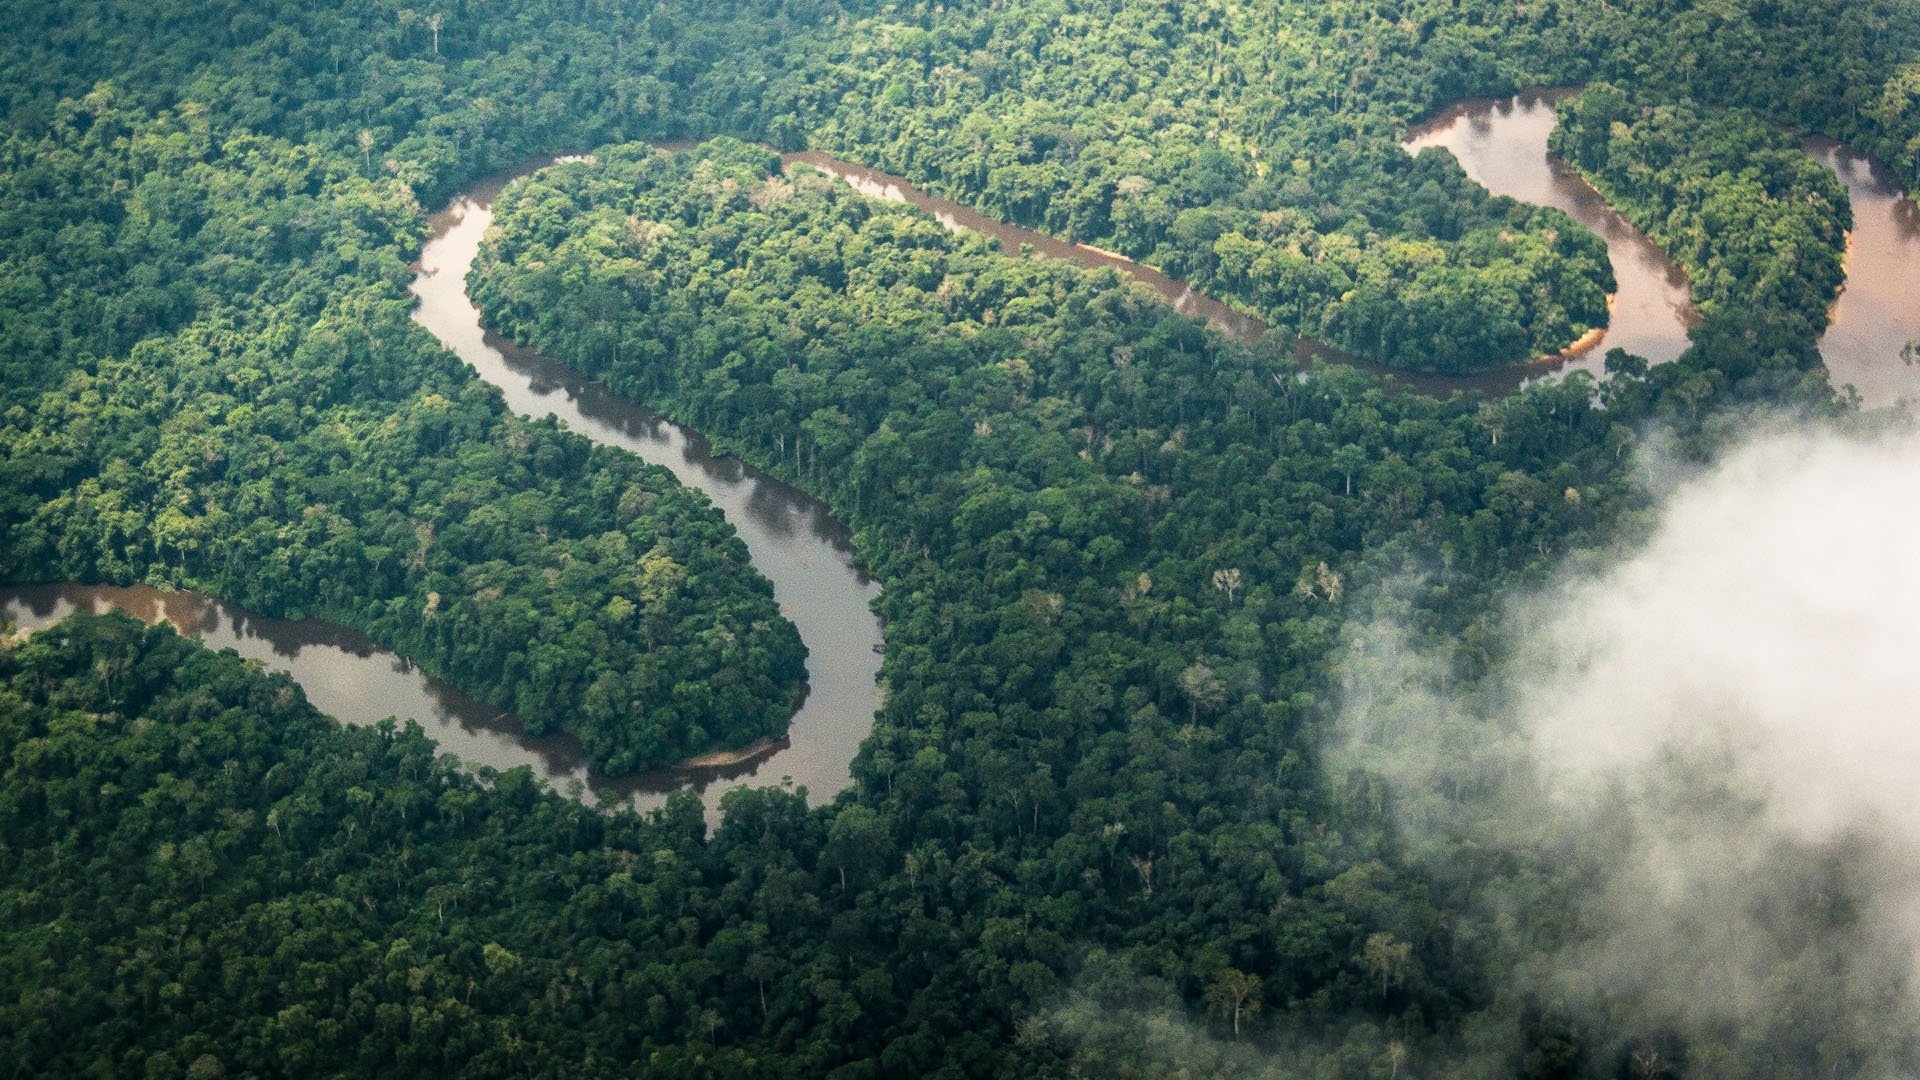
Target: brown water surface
{"x": 344, "y": 674}
{"x": 807, "y": 555}
{"x": 1878, "y": 312}
{"x": 878, "y": 185}
{"x": 792, "y": 540}
{"x": 1502, "y": 144}
{"x": 789, "y": 536}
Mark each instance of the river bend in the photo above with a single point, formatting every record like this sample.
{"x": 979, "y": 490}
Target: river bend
{"x": 807, "y": 555}
{"x": 1502, "y": 144}
{"x": 789, "y": 535}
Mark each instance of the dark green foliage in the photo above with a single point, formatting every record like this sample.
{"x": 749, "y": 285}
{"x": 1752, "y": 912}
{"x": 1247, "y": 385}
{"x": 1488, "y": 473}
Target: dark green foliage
{"x": 1251, "y": 149}
{"x": 251, "y": 414}
{"x": 199, "y": 866}
{"x": 1757, "y": 224}
{"x": 1054, "y": 477}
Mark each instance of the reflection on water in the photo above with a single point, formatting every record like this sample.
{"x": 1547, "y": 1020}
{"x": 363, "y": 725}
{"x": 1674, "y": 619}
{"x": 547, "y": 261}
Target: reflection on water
{"x": 1878, "y": 312}
{"x": 807, "y": 555}
{"x": 1502, "y": 145}
{"x": 879, "y": 185}
{"x": 789, "y": 535}
{"x": 344, "y": 674}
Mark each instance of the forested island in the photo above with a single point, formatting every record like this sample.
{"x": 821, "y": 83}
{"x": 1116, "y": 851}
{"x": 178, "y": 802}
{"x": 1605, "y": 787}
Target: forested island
{"x": 1129, "y": 566}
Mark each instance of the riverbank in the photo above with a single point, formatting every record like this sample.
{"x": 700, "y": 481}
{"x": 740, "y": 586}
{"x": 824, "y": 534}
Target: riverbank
{"x": 792, "y": 539}
{"x": 1501, "y": 143}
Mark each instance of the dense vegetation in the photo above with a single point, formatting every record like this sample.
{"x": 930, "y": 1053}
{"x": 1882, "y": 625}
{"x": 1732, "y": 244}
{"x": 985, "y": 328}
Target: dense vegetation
{"x": 1121, "y": 556}
{"x": 1756, "y": 223}
{"x": 1201, "y": 140}
{"x": 1037, "y": 457}
{"x": 1249, "y": 147}
{"x": 203, "y": 876}
{"x": 213, "y": 384}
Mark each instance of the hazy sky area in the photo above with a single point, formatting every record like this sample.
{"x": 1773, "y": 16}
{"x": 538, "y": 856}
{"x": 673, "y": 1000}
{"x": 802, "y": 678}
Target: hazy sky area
{"x": 1720, "y": 730}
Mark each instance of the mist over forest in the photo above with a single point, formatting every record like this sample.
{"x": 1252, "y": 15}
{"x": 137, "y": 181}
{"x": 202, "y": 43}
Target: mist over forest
{"x": 1710, "y": 734}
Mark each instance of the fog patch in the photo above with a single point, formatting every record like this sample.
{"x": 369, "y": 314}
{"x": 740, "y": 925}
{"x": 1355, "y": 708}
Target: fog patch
{"x": 1685, "y": 805}
{"x": 1144, "y": 1033}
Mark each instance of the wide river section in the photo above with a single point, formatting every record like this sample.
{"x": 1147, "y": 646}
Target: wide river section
{"x": 1502, "y": 145}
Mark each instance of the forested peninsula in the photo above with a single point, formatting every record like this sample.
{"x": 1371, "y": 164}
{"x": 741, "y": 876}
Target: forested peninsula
{"x": 213, "y": 384}
{"x": 1128, "y": 564}
{"x": 1756, "y": 222}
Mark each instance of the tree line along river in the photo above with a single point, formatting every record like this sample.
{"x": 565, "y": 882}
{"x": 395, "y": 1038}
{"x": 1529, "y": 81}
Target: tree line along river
{"x": 1502, "y": 145}
{"x": 808, "y": 556}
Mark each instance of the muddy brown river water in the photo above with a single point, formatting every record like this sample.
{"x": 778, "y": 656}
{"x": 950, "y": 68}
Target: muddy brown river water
{"x": 1502, "y": 144}
{"x": 789, "y": 535}
{"x": 807, "y": 555}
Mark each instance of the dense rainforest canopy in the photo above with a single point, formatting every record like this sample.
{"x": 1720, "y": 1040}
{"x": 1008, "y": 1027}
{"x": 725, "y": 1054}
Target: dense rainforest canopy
{"x": 213, "y": 384}
{"x": 1121, "y": 556}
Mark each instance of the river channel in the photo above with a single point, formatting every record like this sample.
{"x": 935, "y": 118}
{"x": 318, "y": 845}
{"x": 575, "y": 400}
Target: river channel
{"x": 1181, "y": 295}
{"x": 790, "y": 537}
{"x": 807, "y": 555}
{"x": 1878, "y": 312}
{"x": 1502, "y": 144}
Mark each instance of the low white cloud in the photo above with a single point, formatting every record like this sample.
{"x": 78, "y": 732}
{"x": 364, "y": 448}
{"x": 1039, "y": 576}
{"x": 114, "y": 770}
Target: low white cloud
{"x": 1775, "y": 613}
{"x": 1705, "y": 758}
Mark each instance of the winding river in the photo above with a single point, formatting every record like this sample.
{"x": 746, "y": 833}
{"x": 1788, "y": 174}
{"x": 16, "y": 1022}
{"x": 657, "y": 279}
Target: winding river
{"x": 805, "y": 554}
{"x": 345, "y": 675}
{"x": 808, "y": 557}
{"x": 1502, "y": 144}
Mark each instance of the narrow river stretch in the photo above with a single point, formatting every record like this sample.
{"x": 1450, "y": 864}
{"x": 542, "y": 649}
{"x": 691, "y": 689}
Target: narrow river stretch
{"x": 879, "y": 185}
{"x": 1179, "y": 294}
{"x": 1502, "y": 144}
